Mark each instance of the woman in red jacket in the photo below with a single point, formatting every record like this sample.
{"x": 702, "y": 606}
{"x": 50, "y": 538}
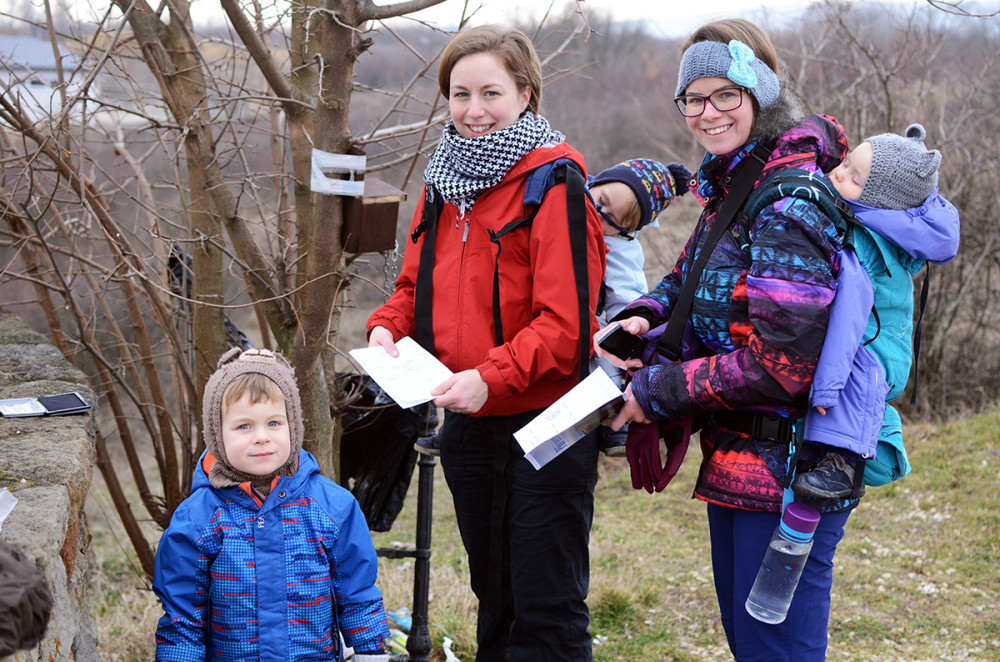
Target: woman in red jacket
{"x": 493, "y": 300}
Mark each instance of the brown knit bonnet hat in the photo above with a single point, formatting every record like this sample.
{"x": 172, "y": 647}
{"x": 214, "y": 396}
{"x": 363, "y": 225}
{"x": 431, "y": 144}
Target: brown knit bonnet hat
{"x": 237, "y": 362}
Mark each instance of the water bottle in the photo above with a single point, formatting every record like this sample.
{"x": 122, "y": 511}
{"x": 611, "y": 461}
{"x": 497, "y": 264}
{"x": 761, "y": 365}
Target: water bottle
{"x": 779, "y": 574}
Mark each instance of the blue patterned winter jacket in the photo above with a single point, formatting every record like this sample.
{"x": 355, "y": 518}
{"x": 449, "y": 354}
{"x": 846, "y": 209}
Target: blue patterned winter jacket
{"x": 272, "y": 581}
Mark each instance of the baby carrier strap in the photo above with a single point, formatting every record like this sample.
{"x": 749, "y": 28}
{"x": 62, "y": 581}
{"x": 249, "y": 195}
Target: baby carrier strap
{"x": 669, "y": 345}
{"x": 917, "y": 332}
{"x": 816, "y": 188}
{"x": 811, "y": 186}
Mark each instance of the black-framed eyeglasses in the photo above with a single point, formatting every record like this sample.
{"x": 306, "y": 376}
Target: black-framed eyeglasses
{"x": 693, "y": 105}
{"x": 622, "y": 231}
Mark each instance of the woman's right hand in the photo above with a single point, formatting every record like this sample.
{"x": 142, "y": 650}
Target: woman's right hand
{"x": 382, "y": 337}
{"x": 634, "y": 325}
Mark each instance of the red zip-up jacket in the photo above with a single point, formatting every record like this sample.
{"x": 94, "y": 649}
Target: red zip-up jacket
{"x": 539, "y": 360}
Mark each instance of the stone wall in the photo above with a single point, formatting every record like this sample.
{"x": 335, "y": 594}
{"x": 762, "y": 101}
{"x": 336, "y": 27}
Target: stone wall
{"x": 47, "y": 462}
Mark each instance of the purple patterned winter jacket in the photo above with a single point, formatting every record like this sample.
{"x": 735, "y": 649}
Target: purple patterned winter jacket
{"x": 757, "y": 322}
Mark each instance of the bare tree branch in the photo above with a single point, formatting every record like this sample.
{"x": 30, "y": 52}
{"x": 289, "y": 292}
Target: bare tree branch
{"x": 957, "y": 9}
{"x": 369, "y": 11}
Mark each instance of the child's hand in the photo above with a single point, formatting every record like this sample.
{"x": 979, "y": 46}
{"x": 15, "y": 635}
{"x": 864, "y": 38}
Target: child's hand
{"x": 634, "y": 325}
{"x": 382, "y": 337}
{"x": 821, "y": 410}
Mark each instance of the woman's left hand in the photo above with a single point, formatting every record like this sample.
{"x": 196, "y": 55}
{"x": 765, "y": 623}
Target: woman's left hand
{"x": 630, "y": 412}
{"x": 463, "y": 393}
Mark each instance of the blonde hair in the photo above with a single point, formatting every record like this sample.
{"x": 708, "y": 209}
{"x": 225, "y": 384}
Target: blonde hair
{"x": 259, "y": 387}
{"x": 630, "y": 219}
{"x": 727, "y": 29}
{"x": 513, "y": 48}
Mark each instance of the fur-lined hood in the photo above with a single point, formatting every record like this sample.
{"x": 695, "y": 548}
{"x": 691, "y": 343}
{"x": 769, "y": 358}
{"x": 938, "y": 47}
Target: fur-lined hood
{"x": 773, "y": 121}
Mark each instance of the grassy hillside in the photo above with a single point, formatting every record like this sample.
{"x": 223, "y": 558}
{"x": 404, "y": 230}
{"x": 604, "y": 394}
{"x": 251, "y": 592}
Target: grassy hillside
{"x": 917, "y": 575}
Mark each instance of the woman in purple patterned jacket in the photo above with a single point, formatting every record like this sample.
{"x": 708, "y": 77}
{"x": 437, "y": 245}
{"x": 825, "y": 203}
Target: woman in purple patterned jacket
{"x": 757, "y": 325}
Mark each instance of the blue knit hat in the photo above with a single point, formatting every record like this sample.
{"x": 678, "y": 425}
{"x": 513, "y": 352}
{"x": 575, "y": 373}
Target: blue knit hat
{"x": 735, "y": 61}
{"x": 904, "y": 173}
{"x": 653, "y": 184}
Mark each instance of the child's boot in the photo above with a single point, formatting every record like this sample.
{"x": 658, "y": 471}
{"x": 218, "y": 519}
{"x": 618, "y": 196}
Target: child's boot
{"x": 613, "y": 443}
{"x": 833, "y": 477}
{"x": 430, "y": 445}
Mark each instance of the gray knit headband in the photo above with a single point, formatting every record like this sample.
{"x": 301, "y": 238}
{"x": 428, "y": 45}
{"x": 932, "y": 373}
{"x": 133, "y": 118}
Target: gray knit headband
{"x": 234, "y": 363}
{"x": 735, "y": 61}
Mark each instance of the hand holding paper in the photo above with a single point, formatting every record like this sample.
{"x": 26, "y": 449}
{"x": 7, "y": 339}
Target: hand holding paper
{"x": 382, "y": 337}
{"x": 464, "y": 393}
{"x": 569, "y": 418}
{"x": 407, "y": 378}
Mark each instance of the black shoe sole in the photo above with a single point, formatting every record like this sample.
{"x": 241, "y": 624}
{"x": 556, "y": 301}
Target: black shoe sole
{"x": 423, "y": 450}
{"x": 805, "y": 489}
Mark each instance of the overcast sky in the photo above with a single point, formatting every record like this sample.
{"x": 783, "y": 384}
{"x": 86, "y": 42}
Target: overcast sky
{"x": 667, "y": 18}
{"x": 671, "y": 18}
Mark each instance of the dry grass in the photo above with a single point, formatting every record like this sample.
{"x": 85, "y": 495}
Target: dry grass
{"x": 916, "y": 579}
{"x": 121, "y": 601}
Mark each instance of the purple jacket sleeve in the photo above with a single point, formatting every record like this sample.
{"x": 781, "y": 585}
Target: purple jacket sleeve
{"x": 849, "y": 314}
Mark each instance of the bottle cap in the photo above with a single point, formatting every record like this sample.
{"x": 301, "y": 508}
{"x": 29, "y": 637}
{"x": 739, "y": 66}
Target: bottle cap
{"x": 800, "y": 517}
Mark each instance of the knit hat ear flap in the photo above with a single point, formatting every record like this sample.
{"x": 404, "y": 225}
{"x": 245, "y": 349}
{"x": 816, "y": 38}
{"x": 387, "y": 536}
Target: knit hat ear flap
{"x": 232, "y": 364}
{"x": 903, "y": 173}
{"x": 927, "y": 164}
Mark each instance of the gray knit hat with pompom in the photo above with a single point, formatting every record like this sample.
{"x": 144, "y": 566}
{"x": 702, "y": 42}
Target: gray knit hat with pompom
{"x": 904, "y": 173}
{"x": 232, "y": 364}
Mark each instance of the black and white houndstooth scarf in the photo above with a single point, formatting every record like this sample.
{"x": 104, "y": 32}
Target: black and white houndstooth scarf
{"x": 462, "y": 168}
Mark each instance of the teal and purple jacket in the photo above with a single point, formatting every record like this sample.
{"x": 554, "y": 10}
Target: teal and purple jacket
{"x": 866, "y": 358}
{"x": 273, "y": 580}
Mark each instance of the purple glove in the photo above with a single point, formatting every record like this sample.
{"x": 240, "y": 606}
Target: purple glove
{"x": 642, "y": 448}
{"x": 677, "y": 436}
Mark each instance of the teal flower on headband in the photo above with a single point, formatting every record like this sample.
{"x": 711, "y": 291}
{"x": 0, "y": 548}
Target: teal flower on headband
{"x": 741, "y": 71}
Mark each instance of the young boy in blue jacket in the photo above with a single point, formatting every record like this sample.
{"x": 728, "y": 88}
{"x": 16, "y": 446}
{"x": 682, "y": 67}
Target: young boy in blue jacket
{"x": 890, "y": 182}
{"x": 266, "y": 559}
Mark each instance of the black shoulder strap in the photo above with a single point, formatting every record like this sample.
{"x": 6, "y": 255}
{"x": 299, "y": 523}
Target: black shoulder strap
{"x": 576, "y": 217}
{"x": 669, "y": 345}
{"x": 917, "y": 333}
{"x": 423, "y": 295}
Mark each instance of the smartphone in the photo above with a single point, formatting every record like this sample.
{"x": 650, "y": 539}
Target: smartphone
{"x": 64, "y": 403}
{"x": 622, "y": 344}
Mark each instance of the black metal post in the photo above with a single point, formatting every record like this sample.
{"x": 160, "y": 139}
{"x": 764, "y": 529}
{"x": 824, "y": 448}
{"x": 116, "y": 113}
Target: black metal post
{"x": 418, "y": 644}
{"x": 418, "y": 641}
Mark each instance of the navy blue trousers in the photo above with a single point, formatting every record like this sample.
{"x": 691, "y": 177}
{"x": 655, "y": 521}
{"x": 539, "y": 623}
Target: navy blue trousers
{"x": 739, "y": 540}
{"x": 526, "y": 533}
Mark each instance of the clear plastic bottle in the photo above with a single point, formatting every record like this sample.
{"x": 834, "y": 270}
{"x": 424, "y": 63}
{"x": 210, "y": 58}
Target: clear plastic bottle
{"x": 779, "y": 573}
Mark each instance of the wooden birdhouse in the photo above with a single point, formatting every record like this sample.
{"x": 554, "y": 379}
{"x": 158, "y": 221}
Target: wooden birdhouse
{"x": 370, "y": 221}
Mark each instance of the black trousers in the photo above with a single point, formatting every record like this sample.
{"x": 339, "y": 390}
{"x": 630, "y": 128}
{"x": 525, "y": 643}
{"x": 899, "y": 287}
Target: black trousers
{"x": 526, "y": 533}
